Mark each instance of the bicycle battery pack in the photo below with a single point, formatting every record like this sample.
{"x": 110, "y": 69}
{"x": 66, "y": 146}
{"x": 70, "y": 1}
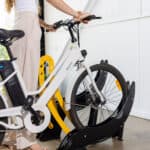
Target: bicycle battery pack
{"x": 13, "y": 86}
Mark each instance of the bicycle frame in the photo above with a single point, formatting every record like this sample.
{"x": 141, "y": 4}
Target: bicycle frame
{"x": 69, "y": 59}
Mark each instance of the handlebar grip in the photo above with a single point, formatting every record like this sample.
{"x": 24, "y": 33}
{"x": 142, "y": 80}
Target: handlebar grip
{"x": 91, "y": 17}
{"x": 58, "y": 24}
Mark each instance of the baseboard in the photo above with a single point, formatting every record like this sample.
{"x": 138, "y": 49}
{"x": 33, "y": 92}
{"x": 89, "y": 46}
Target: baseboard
{"x": 144, "y": 115}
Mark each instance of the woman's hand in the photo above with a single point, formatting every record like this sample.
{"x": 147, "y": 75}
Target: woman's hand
{"x": 49, "y": 28}
{"x": 80, "y": 16}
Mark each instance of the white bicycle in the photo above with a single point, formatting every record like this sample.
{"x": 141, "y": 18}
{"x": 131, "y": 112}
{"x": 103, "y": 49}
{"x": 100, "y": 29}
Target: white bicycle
{"x": 93, "y": 95}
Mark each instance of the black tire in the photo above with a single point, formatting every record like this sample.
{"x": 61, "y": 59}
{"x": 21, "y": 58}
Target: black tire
{"x": 2, "y": 134}
{"x": 80, "y": 101}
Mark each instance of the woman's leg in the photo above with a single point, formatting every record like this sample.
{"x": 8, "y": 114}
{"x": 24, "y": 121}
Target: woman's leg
{"x": 27, "y": 49}
{"x": 27, "y": 140}
{"x": 11, "y": 148}
{"x": 28, "y": 53}
{"x": 37, "y": 147}
{"x": 31, "y": 63}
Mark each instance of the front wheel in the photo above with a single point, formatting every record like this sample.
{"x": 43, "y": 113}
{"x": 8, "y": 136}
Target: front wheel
{"x": 87, "y": 109}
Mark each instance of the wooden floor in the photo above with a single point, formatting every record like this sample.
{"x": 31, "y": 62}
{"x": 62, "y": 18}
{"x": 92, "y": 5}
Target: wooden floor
{"x": 136, "y": 137}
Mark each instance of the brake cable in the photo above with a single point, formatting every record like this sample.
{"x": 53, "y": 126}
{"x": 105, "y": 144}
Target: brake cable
{"x": 78, "y": 34}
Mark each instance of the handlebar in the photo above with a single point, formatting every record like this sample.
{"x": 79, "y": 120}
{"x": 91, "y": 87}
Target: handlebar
{"x": 72, "y": 22}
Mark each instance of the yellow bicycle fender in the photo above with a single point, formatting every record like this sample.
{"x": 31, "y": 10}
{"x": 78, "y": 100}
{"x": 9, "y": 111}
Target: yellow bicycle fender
{"x": 60, "y": 121}
{"x": 57, "y": 95}
{"x": 50, "y": 62}
{"x": 60, "y": 100}
{"x": 51, "y": 126}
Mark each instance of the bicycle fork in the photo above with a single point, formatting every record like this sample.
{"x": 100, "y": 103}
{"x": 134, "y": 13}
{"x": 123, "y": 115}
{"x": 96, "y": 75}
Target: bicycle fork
{"x": 94, "y": 86}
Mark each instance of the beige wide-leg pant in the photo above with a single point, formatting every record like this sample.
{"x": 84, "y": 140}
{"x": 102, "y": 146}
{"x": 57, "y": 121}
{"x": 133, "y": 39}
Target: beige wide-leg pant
{"x": 27, "y": 52}
{"x": 27, "y": 49}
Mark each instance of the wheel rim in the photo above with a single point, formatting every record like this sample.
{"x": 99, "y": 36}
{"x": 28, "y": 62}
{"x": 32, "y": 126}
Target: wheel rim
{"x": 89, "y": 114}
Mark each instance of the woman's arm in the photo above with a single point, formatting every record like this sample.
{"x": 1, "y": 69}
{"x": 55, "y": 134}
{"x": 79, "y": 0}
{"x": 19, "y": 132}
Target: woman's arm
{"x": 62, "y": 6}
{"x": 42, "y": 23}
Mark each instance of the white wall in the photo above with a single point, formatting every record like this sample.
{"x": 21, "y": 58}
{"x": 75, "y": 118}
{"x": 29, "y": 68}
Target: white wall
{"x": 122, "y": 37}
{"x": 55, "y": 42}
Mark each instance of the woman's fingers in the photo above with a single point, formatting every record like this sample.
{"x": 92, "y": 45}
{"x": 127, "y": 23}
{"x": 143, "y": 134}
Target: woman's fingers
{"x": 50, "y": 28}
{"x": 81, "y": 16}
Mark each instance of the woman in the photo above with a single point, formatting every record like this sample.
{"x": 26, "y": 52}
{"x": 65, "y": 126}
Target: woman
{"x": 27, "y": 49}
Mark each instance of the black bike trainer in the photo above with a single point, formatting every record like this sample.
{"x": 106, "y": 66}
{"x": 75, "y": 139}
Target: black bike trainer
{"x": 111, "y": 128}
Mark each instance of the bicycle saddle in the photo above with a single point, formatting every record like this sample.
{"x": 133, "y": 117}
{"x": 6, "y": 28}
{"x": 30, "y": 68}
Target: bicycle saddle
{"x": 10, "y": 35}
